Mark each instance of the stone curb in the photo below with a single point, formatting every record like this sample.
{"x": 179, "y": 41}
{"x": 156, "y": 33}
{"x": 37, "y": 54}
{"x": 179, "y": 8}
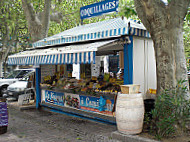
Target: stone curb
{"x": 130, "y": 138}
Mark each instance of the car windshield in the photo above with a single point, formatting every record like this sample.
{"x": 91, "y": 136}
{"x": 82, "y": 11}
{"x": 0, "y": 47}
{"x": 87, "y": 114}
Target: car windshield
{"x": 22, "y": 73}
{"x": 17, "y": 74}
{"x": 26, "y": 77}
{"x": 13, "y": 74}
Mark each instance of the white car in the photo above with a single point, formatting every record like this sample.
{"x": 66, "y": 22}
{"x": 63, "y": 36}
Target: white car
{"x": 19, "y": 87}
{"x": 12, "y": 78}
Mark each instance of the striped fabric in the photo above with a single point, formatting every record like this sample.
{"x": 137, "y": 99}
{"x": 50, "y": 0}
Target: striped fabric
{"x": 64, "y": 58}
{"x": 94, "y": 31}
{"x": 72, "y": 54}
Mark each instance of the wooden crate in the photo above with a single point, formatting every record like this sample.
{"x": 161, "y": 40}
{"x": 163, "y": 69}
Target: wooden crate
{"x": 130, "y": 89}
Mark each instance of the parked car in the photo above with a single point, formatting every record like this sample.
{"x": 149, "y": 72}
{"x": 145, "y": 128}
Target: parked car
{"x": 20, "y": 86}
{"x": 12, "y": 78}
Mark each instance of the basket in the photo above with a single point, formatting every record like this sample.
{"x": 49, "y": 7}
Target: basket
{"x": 130, "y": 89}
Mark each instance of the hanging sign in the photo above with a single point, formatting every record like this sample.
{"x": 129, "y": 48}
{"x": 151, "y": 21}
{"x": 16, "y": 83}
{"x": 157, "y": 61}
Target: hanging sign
{"x": 100, "y": 8}
{"x": 114, "y": 63}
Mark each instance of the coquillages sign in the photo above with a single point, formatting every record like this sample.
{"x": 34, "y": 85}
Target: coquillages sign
{"x": 100, "y": 8}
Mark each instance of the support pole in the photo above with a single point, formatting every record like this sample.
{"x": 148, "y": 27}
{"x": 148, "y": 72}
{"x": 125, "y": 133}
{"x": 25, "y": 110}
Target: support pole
{"x": 128, "y": 62}
{"x": 38, "y": 90}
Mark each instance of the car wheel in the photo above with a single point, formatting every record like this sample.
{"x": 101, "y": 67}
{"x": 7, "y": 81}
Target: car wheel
{"x": 3, "y": 90}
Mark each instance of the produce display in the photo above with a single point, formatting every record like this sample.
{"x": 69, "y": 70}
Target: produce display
{"x": 91, "y": 86}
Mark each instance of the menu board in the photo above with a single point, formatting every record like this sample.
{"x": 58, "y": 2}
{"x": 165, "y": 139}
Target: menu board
{"x": 114, "y": 63}
{"x": 69, "y": 67}
{"x": 3, "y": 114}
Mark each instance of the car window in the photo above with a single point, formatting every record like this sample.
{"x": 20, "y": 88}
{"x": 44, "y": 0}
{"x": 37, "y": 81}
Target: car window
{"x": 26, "y": 77}
{"x": 23, "y": 73}
{"x": 13, "y": 74}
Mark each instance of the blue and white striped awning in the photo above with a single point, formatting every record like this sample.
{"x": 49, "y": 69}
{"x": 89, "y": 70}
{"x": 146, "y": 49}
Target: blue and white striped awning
{"x": 74, "y": 54}
{"x": 63, "y": 58}
{"x": 94, "y": 31}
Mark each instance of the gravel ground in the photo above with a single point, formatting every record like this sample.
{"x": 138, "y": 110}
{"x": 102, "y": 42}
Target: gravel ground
{"x": 41, "y": 126}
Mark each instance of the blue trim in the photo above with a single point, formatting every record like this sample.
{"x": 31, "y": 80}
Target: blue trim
{"x": 119, "y": 31}
{"x": 106, "y": 33}
{"x": 94, "y": 35}
{"x": 38, "y": 90}
{"x": 128, "y": 62}
{"x": 124, "y": 30}
{"x": 64, "y": 58}
{"x": 88, "y": 36}
{"x": 78, "y": 115}
{"x": 102, "y": 33}
{"x": 110, "y": 33}
{"x": 53, "y": 61}
{"x": 84, "y": 57}
{"x": 85, "y": 37}
{"x": 89, "y": 59}
{"x": 115, "y": 30}
{"x": 94, "y": 57}
{"x": 80, "y": 58}
{"x": 98, "y": 34}
{"x": 71, "y": 58}
{"x": 68, "y": 55}
{"x": 60, "y": 60}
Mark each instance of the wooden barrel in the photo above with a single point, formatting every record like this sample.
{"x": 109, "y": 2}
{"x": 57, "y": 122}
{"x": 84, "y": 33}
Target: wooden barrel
{"x": 3, "y": 116}
{"x": 130, "y": 113}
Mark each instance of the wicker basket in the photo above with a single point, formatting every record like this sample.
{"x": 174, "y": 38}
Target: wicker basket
{"x": 130, "y": 89}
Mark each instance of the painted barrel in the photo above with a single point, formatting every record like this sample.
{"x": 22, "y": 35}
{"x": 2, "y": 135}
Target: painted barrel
{"x": 3, "y": 116}
{"x": 129, "y": 113}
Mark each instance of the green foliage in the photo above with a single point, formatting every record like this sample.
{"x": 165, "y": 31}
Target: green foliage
{"x": 171, "y": 112}
{"x": 13, "y": 24}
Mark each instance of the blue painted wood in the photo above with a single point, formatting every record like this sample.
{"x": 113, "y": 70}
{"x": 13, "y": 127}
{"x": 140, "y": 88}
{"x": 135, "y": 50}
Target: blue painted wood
{"x": 128, "y": 62}
{"x": 38, "y": 90}
{"x": 79, "y": 115}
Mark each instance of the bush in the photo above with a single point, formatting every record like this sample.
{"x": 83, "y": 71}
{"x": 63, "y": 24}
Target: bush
{"x": 171, "y": 112}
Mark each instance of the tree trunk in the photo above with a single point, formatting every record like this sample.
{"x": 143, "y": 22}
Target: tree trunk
{"x": 37, "y": 27}
{"x": 165, "y": 24}
{"x": 170, "y": 58}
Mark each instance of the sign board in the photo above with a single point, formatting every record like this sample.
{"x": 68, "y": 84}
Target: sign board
{"x": 69, "y": 67}
{"x": 3, "y": 114}
{"x": 92, "y": 104}
{"x": 114, "y": 64}
{"x": 72, "y": 100}
{"x": 55, "y": 98}
{"x": 99, "y": 8}
{"x": 24, "y": 99}
{"x": 82, "y": 102}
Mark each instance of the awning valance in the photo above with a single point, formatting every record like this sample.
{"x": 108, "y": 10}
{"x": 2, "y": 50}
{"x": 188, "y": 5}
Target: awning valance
{"x": 73, "y": 54}
{"x": 63, "y": 58}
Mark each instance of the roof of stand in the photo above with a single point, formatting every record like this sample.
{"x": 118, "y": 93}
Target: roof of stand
{"x": 84, "y": 41}
{"x": 95, "y": 31}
